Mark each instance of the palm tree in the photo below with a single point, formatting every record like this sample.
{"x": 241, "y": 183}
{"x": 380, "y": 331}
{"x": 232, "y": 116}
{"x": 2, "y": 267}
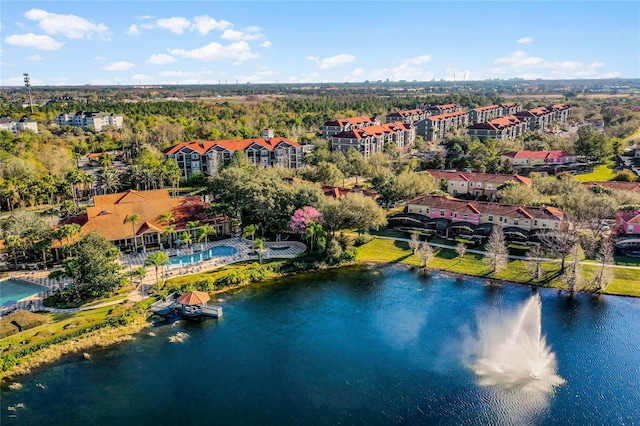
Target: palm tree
{"x": 193, "y": 225}
{"x": 258, "y": 245}
{"x": 313, "y": 231}
{"x": 133, "y": 218}
{"x": 250, "y": 231}
{"x": 157, "y": 259}
{"x": 205, "y": 231}
{"x": 166, "y": 218}
{"x": 169, "y": 230}
{"x": 109, "y": 178}
{"x": 185, "y": 238}
{"x": 71, "y": 231}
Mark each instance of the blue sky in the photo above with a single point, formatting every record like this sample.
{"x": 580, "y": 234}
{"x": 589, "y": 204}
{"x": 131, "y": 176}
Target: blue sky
{"x": 169, "y": 42}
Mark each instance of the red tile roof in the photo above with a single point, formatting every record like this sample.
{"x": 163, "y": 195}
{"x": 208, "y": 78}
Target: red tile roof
{"x": 379, "y": 130}
{"x": 337, "y": 192}
{"x": 447, "y": 115}
{"x": 483, "y": 207}
{"x": 356, "y": 121}
{"x": 498, "y": 123}
{"x": 615, "y": 185}
{"x": 538, "y": 154}
{"x": 485, "y": 108}
{"x": 202, "y": 147}
{"x": 478, "y": 177}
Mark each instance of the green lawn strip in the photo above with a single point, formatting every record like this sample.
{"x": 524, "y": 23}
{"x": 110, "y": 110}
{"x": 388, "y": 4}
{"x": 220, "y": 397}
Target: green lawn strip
{"x": 625, "y": 281}
{"x": 59, "y": 324}
{"x": 118, "y": 297}
{"x": 603, "y": 172}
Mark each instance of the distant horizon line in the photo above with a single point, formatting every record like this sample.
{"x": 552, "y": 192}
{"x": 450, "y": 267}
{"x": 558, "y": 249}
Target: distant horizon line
{"x": 366, "y": 82}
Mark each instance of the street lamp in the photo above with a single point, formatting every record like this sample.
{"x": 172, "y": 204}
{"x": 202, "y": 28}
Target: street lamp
{"x": 27, "y": 84}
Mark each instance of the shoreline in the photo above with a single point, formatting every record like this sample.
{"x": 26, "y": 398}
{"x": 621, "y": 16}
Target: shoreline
{"x": 115, "y": 335}
{"x": 101, "y": 338}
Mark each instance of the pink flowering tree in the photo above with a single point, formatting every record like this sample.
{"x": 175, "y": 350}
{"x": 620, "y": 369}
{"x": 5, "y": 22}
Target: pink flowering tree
{"x": 303, "y": 217}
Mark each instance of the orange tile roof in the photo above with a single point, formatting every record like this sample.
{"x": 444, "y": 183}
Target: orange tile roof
{"x": 202, "y": 147}
{"x": 616, "y": 185}
{"x": 369, "y": 131}
{"x": 485, "y": 108}
{"x": 498, "y": 123}
{"x": 109, "y": 211}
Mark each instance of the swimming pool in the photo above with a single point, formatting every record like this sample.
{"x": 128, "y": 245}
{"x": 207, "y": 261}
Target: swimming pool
{"x": 14, "y": 289}
{"x": 203, "y": 255}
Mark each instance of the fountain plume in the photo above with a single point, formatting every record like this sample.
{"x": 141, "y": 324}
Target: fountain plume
{"x": 510, "y": 352}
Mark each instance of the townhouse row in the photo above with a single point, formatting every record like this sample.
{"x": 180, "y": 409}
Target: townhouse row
{"x": 450, "y": 217}
{"x": 476, "y": 184}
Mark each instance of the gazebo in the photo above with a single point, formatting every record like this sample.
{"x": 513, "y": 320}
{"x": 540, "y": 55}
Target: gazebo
{"x": 193, "y": 303}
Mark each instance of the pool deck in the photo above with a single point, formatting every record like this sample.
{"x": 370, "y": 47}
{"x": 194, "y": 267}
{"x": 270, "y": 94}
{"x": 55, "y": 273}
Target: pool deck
{"x": 133, "y": 261}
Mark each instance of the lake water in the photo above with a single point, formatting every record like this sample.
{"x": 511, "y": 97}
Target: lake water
{"x": 360, "y": 345}
{"x": 14, "y": 289}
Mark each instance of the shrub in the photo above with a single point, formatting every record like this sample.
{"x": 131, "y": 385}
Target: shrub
{"x": 362, "y": 239}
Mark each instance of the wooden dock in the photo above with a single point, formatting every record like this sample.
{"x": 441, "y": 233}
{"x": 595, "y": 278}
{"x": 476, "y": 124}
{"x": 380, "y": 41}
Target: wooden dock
{"x": 170, "y": 306}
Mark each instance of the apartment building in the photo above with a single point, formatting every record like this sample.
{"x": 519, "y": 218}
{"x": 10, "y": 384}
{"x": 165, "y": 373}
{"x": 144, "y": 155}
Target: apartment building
{"x": 508, "y": 127}
{"x": 439, "y": 109}
{"x": 539, "y": 118}
{"x": 538, "y": 158}
{"x": 208, "y": 156}
{"x": 340, "y": 125}
{"x": 94, "y": 120}
{"x": 17, "y": 125}
{"x": 478, "y": 184}
{"x": 437, "y": 127}
{"x": 510, "y": 108}
{"x": 484, "y": 114}
{"x": 410, "y": 116}
{"x": 475, "y": 219}
{"x": 372, "y": 139}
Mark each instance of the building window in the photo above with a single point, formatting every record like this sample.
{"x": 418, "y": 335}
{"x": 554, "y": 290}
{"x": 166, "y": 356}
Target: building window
{"x": 544, "y": 224}
{"x": 630, "y": 229}
{"x": 465, "y": 217}
{"x": 441, "y": 213}
{"x": 471, "y": 184}
{"x": 516, "y": 221}
{"x": 427, "y": 210}
{"x": 420, "y": 210}
{"x": 489, "y": 186}
{"x": 535, "y": 223}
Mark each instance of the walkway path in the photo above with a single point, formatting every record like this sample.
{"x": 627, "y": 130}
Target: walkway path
{"x": 284, "y": 249}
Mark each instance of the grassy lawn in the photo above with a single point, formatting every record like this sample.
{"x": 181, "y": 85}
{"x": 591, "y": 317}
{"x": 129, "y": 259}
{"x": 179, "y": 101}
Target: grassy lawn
{"x": 625, "y": 282}
{"x": 603, "y": 172}
{"x": 59, "y": 324}
{"x": 216, "y": 273}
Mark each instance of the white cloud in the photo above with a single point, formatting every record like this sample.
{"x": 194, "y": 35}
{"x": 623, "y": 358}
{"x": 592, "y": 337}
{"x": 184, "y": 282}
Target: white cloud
{"x": 265, "y": 43}
{"x": 613, "y": 74}
{"x": 518, "y": 60}
{"x": 332, "y": 61}
{"x": 160, "y": 59}
{"x": 100, "y": 58}
{"x": 141, "y": 77}
{"x": 525, "y": 40}
{"x": 418, "y": 60}
{"x": 304, "y": 78}
{"x": 118, "y": 66}
{"x": 357, "y": 71}
{"x": 239, "y": 51}
{"x": 239, "y": 35}
{"x": 410, "y": 69}
{"x": 133, "y": 30}
{"x": 356, "y": 75}
{"x": 175, "y": 24}
{"x": 71, "y": 26}
{"x": 43, "y": 42}
{"x": 204, "y": 24}
{"x": 34, "y": 57}
{"x": 520, "y": 64}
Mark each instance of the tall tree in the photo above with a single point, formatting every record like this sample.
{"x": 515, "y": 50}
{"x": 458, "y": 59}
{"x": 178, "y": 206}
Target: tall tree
{"x": 414, "y": 242}
{"x": 205, "y": 231}
{"x": 496, "y": 250}
{"x": 605, "y": 257}
{"x": 133, "y": 218}
{"x": 157, "y": 259}
{"x": 425, "y": 253}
